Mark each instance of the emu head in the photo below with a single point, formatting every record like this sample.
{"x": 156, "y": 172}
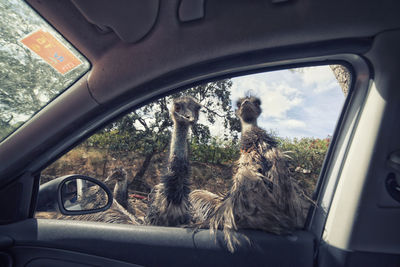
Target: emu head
{"x": 185, "y": 110}
{"x": 117, "y": 175}
{"x": 248, "y": 109}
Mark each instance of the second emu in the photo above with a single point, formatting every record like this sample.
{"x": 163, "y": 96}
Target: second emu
{"x": 169, "y": 200}
{"x": 263, "y": 195}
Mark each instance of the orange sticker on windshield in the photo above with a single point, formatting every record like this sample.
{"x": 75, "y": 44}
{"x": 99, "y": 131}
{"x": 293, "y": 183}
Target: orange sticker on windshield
{"x": 52, "y": 51}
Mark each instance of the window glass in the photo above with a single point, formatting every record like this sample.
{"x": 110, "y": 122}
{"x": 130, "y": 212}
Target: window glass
{"x": 36, "y": 64}
{"x": 299, "y": 111}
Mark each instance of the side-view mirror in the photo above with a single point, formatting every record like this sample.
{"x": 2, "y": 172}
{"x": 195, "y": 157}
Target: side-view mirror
{"x": 74, "y": 195}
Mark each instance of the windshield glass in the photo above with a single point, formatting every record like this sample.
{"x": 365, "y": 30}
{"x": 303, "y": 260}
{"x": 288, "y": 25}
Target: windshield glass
{"x": 36, "y": 64}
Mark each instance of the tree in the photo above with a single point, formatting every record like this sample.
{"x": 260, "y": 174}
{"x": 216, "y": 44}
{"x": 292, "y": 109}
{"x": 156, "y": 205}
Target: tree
{"x": 342, "y": 75}
{"x": 147, "y": 130}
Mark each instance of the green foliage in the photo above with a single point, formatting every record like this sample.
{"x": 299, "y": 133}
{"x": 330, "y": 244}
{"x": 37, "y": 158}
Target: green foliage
{"x": 307, "y": 156}
{"x": 306, "y": 153}
{"x": 217, "y": 151}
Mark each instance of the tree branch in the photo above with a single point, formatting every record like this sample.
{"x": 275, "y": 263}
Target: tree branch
{"x": 214, "y": 112}
{"x": 141, "y": 121}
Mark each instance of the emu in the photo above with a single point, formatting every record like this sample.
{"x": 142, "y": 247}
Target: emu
{"x": 263, "y": 195}
{"x": 120, "y": 192}
{"x": 169, "y": 200}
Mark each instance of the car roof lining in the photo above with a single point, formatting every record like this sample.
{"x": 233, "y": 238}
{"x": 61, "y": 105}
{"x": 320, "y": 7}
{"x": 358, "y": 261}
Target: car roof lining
{"x": 135, "y": 17}
{"x": 119, "y": 67}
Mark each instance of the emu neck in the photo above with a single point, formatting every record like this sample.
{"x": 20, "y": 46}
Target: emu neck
{"x": 176, "y": 180}
{"x": 179, "y": 145}
{"x": 248, "y": 126}
{"x": 121, "y": 192}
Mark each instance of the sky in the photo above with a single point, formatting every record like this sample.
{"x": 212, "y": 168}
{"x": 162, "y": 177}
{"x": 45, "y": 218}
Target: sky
{"x": 298, "y": 103}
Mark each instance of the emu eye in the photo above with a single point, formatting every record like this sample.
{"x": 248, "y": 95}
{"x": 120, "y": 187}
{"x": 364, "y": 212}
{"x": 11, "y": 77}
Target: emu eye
{"x": 238, "y": 103}
{"x": 177, "y": 107}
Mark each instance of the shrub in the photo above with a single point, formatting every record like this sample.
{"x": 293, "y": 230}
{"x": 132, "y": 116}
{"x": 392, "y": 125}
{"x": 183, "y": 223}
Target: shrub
{"x": 216, "y": 151}
{"x": 307, "y": 156}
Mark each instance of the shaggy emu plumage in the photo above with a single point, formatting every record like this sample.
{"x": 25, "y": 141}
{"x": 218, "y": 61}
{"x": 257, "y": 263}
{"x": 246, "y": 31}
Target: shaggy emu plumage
{"x": 169, "y": 200}
{"x": 120, "y": 193}
{"x": 263, "y": 195}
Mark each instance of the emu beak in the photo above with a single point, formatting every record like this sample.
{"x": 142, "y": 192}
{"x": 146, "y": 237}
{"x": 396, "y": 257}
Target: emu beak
{"x": 247, "y": 105}
{"x": 186, "y": 116}
{"x": 191, "y": 119}
{"x": 108, "y": 180}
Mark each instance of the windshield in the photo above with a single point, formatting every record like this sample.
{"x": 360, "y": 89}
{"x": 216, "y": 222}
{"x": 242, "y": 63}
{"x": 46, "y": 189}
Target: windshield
{"x": 36, "y": 64}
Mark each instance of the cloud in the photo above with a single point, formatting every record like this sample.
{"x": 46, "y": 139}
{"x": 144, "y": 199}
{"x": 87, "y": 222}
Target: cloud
{"x": 320, "y": 78}
{"x": 293, "y": 124}
{"x": 277, "y": 98}
{"x": 303, "y": 103}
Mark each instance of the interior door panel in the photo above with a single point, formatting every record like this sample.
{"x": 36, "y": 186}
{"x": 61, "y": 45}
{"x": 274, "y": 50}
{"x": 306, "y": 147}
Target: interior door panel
{"x": 39, "y": 242}
{"x": 30, "y": 256}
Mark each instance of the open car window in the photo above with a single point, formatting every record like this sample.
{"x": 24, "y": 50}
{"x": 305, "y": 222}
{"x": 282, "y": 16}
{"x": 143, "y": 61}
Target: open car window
{"x": 36, "y": 65}
{"x": 299, "y": 110}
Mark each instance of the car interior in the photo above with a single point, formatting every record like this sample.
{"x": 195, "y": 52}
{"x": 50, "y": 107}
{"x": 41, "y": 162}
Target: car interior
{"x": 140, "y": 51}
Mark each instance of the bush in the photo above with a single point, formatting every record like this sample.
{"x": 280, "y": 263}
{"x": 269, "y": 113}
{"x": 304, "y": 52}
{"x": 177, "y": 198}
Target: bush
{"x": 217, "y": 151}
{"x": 307, "y": 156}
{"x": 307, "y": 153}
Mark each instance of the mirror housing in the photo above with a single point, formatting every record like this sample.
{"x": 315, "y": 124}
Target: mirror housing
{"x": 65, "y": 195}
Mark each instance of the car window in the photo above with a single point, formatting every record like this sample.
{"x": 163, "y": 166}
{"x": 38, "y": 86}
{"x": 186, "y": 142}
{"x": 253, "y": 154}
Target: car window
{"x": 36, "y": 64}
{"x": 299, "y": 111}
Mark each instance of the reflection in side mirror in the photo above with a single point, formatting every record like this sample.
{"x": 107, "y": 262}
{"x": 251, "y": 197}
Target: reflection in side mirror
{"x": 74, "y": 195}
{"x": 82, "y": 195}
